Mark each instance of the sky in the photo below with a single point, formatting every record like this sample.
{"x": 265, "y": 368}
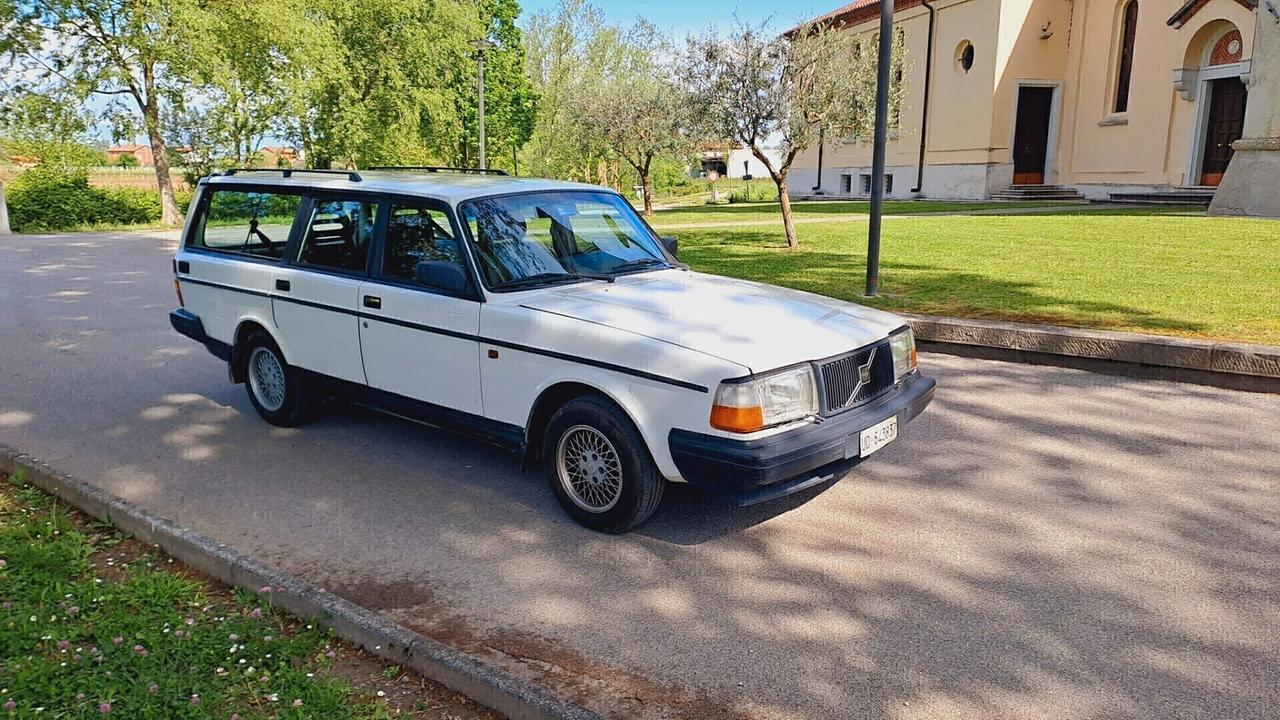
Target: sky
{"x": 682, "y": 17}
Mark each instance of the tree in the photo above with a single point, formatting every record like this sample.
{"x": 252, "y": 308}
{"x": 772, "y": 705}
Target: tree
{"x": 565, "y": 49}
{"x": 510, "y": 100}
{"x": 128, "y": 50}
{"x": 755, "y": 87}
{"x": 637, "y": 107}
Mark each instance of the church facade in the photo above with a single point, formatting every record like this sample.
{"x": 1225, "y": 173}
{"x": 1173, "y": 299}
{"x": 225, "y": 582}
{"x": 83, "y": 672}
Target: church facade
{"x": 1099, "y": 96}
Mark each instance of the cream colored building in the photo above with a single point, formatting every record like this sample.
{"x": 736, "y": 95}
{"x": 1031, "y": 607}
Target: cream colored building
{"x": 1098, "y": 95}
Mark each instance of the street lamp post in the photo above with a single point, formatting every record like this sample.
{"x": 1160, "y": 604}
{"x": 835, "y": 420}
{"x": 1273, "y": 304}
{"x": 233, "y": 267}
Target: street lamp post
{"x": 481, "y": 45}
{"x": 878, "y": 147}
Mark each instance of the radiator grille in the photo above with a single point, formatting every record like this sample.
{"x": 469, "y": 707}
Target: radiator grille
{"x": 843, "y": 384}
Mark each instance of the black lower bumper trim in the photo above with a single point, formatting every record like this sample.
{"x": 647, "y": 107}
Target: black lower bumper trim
{"x": 752, "y": 471}
{"x": 189, "y": 324}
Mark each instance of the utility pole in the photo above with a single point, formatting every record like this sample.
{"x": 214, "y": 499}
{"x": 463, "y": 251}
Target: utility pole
{"x": 877, "y": 151}
{"x": 481, "y": 45}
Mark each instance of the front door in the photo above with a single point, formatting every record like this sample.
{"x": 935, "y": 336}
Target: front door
{"x": 1224, "y": 126}
{"x": 421, "y": 312}
{"x": 1031, "y": 134}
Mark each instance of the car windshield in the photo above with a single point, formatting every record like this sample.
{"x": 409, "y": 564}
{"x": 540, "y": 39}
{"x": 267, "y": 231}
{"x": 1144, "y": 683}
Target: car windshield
{"x": 551, "y": 237}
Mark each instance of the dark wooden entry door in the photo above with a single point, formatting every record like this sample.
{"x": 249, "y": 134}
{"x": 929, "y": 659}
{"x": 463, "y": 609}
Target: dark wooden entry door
{"x": 1031, "y": 135}
{"x": 1225, "y": 126}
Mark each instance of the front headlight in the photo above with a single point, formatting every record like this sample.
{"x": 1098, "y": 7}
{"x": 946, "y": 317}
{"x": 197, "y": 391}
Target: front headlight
{"x": 903, "y": 346}
{"x": 761, "y": 402}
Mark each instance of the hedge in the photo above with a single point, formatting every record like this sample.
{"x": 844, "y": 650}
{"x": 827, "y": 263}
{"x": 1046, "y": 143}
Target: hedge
{"x": 43, "y": 199}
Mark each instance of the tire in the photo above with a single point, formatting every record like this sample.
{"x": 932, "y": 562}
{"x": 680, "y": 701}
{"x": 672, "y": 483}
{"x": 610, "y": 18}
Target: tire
{"x": 599, "y": 467}
{"x": 276, "y": 390}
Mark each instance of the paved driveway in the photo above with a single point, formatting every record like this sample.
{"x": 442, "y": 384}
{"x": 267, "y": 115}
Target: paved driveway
{"x": 1041, "y": 543}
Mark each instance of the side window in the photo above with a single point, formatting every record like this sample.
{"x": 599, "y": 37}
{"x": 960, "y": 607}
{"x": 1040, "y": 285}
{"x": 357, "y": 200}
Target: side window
{"x": 338, "y": 234}
{"x": 254, "y": 223}
{"x": 422, "y": 249}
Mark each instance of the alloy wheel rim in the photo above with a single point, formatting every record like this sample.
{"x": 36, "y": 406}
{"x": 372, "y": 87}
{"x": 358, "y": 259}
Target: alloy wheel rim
{"x": 589, "y": 468}
{"x": 266, "y": 379}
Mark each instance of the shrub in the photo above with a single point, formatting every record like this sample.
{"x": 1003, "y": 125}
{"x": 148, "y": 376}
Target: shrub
{"x": 44, "y": 198}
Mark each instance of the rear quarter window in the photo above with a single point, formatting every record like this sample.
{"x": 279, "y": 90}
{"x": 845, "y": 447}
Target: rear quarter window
{"x": 251, "y": 223}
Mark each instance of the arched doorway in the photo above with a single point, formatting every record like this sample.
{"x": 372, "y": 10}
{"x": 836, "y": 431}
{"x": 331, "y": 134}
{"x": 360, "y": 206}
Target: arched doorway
{"x": 1215, "y": 57}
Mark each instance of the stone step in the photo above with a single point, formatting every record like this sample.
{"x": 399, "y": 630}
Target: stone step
{"x": 1172, "y": 197}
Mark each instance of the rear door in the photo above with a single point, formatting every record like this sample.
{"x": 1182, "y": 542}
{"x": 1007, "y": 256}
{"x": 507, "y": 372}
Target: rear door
{"x": 421, "y": 311}
{"x": 315, "y": 298}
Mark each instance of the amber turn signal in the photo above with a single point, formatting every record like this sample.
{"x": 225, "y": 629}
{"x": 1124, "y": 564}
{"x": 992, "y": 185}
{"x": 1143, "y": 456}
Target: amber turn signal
{"x": 733, "y": 419}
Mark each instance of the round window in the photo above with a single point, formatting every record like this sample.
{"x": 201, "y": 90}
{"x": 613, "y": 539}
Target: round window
{"x": 964, "y": 56}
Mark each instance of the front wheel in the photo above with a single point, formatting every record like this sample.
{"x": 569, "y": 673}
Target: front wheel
{"x": 599, "y": 467}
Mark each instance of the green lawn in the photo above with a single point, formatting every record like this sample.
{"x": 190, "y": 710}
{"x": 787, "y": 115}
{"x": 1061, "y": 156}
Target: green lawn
{"x": 93, "y": 624}
{"x": 751, "y": 212}
{"x": 1147, "y": 271}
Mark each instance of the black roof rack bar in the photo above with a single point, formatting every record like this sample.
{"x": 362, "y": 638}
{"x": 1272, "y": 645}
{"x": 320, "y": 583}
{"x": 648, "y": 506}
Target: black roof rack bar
{"x": 352, "y": 175}
{"x": 439, "y": 168}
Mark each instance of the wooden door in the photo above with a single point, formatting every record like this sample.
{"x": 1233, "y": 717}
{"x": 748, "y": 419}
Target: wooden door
{"x": 1224, "y": 126}
{"x": 1031, "y": 135}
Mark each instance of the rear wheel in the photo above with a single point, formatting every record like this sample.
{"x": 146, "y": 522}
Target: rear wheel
{"x": 599, "y": 467}
{"x": 275, "y": 389}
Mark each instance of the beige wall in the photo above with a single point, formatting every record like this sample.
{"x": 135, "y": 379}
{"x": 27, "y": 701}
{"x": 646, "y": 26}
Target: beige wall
{"x": 972, "y": 115}
{"x": 1151, "y": 143}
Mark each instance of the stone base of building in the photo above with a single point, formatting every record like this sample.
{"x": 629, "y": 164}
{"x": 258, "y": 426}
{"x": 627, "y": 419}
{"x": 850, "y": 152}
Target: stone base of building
{"x": 1251, "y": 185}
{"x": 974, "y": 181}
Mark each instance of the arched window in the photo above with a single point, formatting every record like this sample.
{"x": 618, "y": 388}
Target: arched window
{"x": 1128, "y": 28}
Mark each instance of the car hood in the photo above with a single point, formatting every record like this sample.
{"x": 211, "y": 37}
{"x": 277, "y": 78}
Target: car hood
{"x": 758, "y": 326}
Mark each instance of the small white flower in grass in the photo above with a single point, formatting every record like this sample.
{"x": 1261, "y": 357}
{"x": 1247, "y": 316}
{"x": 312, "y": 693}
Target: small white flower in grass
{"x": 297, "y": 702}
{"x": 273, "y": 697}
{"x": 233, "y": 637}
{"x": 381, "y": 694}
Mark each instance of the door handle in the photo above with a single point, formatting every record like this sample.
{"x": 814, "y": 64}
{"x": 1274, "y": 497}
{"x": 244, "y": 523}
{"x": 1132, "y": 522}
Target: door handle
{"x": 372, "y": 301}
{"x": 282, "y": 285}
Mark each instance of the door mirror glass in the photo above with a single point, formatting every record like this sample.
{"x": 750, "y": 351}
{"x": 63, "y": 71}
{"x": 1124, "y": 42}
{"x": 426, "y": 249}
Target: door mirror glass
{"x": 672, "y": 244}
{"x": 440, "y": 275}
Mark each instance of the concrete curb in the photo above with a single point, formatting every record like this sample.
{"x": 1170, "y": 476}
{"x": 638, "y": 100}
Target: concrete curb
{"x": 1237, "y": 366}
{"x": 490, "y": 686}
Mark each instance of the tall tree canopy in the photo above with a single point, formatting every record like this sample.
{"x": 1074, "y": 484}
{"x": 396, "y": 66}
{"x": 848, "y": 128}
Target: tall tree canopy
{"x": 131, "y": 51}
{"x": 814, "y": 83}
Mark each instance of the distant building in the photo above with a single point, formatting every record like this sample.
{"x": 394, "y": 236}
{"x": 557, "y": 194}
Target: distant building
{"x": 278, "y": 156}
{"x": 1101, "y": 96}
{"x": 727, "y": 160}
{"x": 141, "y": 153}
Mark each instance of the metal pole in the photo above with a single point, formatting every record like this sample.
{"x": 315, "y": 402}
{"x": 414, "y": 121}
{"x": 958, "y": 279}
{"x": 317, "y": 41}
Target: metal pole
{"x": 483, "y": 160}
{"x": 877, "y": 153}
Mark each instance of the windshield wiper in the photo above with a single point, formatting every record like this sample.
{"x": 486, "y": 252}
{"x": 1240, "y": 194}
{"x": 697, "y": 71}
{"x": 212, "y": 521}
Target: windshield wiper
{"x": 544, "y": 278}
{"x": 638, "y": 265}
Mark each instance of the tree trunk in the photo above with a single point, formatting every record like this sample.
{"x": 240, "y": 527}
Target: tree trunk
{"x": 785, "y": 201}
{"x": 4, "y": 213}
{"x": 646, "y": 181}
{"x": 169, "y": 213}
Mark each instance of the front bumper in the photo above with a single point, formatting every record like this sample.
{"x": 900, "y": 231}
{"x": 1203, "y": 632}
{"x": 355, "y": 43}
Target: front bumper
{"x": 751, "y": 471}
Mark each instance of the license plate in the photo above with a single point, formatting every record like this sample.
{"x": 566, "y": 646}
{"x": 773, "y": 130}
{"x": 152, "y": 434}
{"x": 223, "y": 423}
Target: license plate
{"x": 877, "y": 436}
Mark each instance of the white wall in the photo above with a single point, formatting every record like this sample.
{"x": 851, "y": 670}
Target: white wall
{"x": 754, "y": 166}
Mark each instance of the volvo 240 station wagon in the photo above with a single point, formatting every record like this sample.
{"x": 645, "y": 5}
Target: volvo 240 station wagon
{"x": 544, "y": 316}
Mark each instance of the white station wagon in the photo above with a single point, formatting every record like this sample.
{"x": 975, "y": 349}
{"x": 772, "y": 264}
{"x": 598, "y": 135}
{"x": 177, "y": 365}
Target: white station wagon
{"x": 546, "y": 317}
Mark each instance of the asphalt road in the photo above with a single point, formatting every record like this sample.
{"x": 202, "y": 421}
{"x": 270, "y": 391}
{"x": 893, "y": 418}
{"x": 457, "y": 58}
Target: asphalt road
{"x": 1041, "y": 543}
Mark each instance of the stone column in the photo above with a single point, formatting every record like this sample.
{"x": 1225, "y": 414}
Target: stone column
{"x": 1251, "y": 185}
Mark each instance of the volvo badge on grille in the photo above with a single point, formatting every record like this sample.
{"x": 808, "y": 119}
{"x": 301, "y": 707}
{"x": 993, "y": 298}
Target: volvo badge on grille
{"x": 864, "y": 377}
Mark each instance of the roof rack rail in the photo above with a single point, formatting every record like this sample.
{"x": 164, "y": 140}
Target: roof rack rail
{"x": 439, "y": 168}
{"x": 352, "y": 175}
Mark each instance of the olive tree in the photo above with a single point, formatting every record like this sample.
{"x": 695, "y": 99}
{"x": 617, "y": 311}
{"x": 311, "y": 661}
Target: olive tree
{"x": 637, "y": 107}
{"x": 754, "y": 87}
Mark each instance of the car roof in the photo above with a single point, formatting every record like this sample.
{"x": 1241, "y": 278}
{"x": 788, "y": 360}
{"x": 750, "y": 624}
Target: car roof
{"x": 451, "y": 187}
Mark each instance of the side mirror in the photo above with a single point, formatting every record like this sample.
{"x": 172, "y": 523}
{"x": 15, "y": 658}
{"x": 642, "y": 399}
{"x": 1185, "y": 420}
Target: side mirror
{"x": 672, "y": 244}
{"x": 441, "y": 275}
